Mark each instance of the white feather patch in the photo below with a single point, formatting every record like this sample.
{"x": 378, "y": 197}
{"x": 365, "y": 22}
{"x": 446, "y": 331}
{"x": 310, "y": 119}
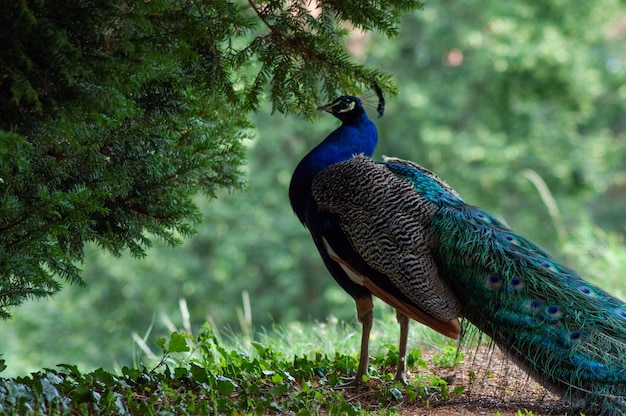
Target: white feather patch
{"x": 354, "y": 276}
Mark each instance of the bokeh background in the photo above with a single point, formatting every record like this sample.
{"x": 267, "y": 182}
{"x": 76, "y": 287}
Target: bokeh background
{"x": 520, "y": 106}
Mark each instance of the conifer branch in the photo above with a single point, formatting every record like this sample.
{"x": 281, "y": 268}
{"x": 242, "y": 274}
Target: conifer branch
{"x": 97, "y": 155}
{"x": 262, "y": 17}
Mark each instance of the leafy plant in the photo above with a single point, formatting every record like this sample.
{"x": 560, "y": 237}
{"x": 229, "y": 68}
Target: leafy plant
{"x": 449, "y": 357}
{"x": 197, "y": 374}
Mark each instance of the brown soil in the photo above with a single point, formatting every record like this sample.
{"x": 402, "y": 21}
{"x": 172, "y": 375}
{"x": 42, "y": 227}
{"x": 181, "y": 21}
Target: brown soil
{"x": 498, "y": 386}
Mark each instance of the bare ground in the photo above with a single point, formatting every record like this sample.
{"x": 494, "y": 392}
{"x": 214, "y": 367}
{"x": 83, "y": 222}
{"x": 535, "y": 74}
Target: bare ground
{"x": 498, "y": 386}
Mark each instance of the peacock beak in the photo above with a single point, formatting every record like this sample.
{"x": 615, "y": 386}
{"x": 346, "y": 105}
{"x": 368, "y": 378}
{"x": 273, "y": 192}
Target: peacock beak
{"x": 328, "y": 108}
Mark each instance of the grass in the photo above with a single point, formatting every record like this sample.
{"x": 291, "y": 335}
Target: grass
{"x": 295, "y": 369}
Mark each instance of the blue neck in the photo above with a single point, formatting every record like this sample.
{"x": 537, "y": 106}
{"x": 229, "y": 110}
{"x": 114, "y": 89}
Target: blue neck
{"x": 355, "y": 137}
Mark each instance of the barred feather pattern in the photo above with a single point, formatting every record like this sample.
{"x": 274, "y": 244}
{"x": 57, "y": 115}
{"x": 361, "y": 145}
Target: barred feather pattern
{"x": 566, "y": 333}
{"x": 387, "y": 223}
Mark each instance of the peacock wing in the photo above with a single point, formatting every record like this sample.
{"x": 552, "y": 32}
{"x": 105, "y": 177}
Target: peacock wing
{"x": 377, "y": 227}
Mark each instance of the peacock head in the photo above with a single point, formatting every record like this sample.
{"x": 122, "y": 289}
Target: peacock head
{"x": 346, "y": 108}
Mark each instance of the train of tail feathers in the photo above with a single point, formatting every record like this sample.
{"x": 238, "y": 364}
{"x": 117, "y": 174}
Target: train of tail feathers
{"x": 395, "y": 230}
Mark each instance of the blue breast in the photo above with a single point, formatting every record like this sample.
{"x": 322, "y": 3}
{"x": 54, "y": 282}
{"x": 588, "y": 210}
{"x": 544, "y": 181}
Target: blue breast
{"x": 351, "y": 138}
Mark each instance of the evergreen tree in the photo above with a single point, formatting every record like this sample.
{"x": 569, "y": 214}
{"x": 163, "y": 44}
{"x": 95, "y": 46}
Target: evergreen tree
{"x": 113, "y": 114}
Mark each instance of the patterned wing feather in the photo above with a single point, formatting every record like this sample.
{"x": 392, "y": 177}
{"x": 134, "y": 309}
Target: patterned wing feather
{"x": 386, "y": 223}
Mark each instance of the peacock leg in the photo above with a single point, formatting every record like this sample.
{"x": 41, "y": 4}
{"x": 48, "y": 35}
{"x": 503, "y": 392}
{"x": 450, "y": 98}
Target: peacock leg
{"x": 365, "y": 315}
{"x": 404, "y": 322}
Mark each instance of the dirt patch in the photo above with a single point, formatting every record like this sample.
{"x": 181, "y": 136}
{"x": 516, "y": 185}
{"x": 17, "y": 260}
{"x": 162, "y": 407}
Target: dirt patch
{"x": 493, "y": 384}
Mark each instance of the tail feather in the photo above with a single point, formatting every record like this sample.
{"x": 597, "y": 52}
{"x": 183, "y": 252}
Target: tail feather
{"x": 565, "y": 332}
{"x": 568, "y": 334}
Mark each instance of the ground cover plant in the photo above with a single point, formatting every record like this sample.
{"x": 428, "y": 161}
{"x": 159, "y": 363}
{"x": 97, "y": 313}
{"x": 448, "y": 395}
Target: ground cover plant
{"x": 199, "y": 374}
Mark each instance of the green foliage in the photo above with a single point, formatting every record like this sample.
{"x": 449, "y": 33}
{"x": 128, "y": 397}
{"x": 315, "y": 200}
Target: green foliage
{"x": 303, "y": 47}
{"x": 390, "y": 357}
{"x": 449, "y": 357}
{"x": 492, "y": 91}
{"x": 452, "y": 119}
{"x": 199, "y": 375}
{"x": 114, "y": 115}
{"x": 602, "y": 253}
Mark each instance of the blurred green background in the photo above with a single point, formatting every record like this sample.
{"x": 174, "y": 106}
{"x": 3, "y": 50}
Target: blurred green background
{"x": 498, "y": 98}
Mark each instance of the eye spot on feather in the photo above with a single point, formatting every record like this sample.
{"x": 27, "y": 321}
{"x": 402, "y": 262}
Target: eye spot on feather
{"x": 511, "y": 239}
{"x": 553, "y": 312}
{"x": 534, "y": 305}
{"x": 516, "y": 283}
{"x": 573, "y": 337}
{"x": 585, "y": 290}
{"x": 494, "y": 281}
{"x": 482, "y": 217}
{"x": 545, "y": 264}
{"x": 620, "y": 312}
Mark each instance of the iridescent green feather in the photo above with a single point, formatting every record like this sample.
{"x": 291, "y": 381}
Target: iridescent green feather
{"x": 568, "y": 334}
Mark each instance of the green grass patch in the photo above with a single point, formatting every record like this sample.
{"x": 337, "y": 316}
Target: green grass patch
{"x": 281, "y": 373}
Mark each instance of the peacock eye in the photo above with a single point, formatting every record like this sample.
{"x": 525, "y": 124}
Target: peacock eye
{"x": 573, "y": 337}
{"x": 347, "y": 106}
{"x": 621, "y": 312}
{"x": 494, "y": 281}
{"x": 534, "y": 305}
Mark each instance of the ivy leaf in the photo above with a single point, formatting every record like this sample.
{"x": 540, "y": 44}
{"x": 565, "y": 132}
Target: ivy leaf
{"x": 161, "y": 343}
{"x": 225, "y": 385}
{"x": 178, "y": 343}
{"x": 278, "y": 390}
{"x": 49, "y": 391}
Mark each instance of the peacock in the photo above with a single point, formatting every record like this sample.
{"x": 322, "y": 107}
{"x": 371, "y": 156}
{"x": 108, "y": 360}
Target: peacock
{"x": 395, "y": 230}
